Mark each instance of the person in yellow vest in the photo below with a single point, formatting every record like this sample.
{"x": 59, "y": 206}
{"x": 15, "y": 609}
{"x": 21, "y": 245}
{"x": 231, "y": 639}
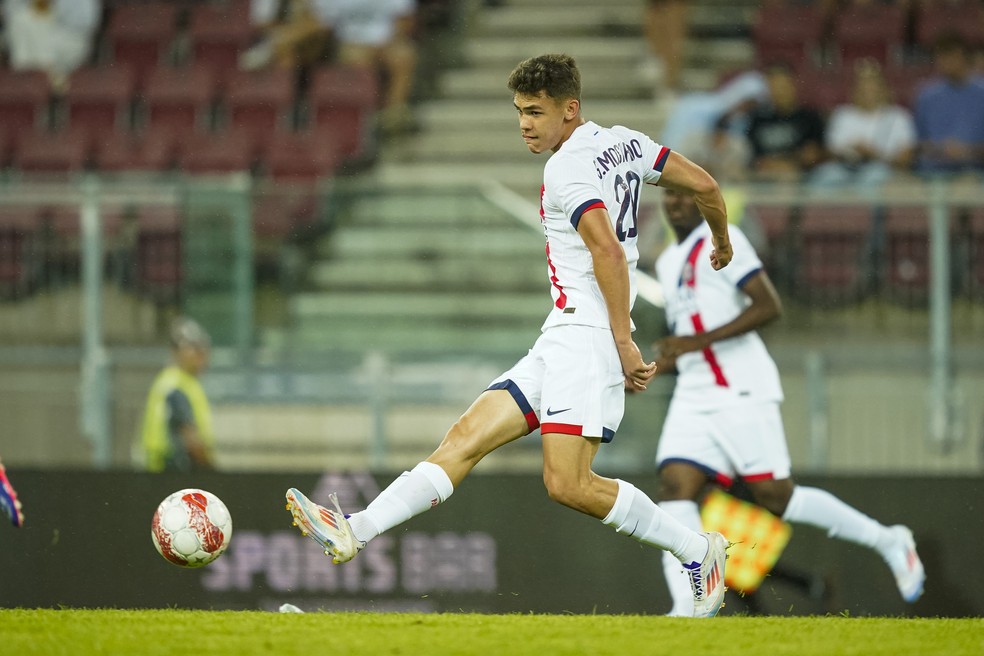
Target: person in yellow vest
{"x": 177, "y": 425}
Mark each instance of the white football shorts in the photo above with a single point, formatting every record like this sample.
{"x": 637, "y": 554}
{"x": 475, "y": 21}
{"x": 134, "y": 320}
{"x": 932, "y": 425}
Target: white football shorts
{"x": 747, "y": 440}
{"x": 570, "y": 382}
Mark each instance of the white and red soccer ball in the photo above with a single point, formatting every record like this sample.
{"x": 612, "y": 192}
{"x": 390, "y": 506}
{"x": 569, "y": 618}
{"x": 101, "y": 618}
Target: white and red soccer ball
{"x": 191, "y": 528}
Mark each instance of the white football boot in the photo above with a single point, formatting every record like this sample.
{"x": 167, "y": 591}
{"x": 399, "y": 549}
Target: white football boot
{"x": 707, "y": 577}
{"x": 910, "y": 575}
{"x": 327, "y": 527}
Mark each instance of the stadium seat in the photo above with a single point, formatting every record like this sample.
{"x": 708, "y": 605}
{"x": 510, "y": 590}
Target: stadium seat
{"x": 19, "y": 256}
{"x": 906, "y": 81}
{"x": 99, "y": 98}
{"x": 226, "y": 152}
{"x": 159, "y": 248}
{"x": 975, "y": 273}
{"x": 141, "y": 34}
{"x": 219, "y": 33}
{"x": 875, "y": 30}
{"x": 965, "y": 18}
{"x": 343, "y": 100}
{"x": 823, "y": 90}
{"x": 302, "y": 157}
{"x": 260, "y": 102}
{"x": 790, "y": 33}
{"x": 24, "y": 100}
{"x": 63, "y": 152}
{"x": 906, "y": 264}
{"x": 834, "y": 263}
{"x": 774, "y": 223}
{"x": 123, "y": 151}
{"x": 178, "y": 101}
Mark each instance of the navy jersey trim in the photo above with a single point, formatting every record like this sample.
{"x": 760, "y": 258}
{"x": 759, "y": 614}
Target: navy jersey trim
{"x": 748, "y": 276}
{"x": 584, "y": 207}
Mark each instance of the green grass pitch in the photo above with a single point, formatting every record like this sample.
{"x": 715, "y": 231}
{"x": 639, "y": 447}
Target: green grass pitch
{"x": 220, "y": 633}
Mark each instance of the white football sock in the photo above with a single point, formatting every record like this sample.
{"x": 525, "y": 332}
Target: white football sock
{"x": 688, "y": 514}
{"x": 637, "y": 516}
{"x": 810, "y": 505}
{"x": 415, "y": 491}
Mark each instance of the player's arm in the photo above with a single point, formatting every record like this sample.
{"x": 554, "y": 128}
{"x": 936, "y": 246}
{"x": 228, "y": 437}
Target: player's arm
{"x": 764, "y": 308}
{"x": 182, "y": 422}
{"x": 680, "y": 174}
{"x": 612, "y": 274}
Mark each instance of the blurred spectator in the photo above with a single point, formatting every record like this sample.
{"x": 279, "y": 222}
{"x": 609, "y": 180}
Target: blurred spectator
{"x": 665, "y": 29}
{"x": 710, "y": 126}
{"x": 786, "y": 138}
{"x": 950, "y": 112}
{"x": 377, "y": 35}
{"x": 177, "y": 425}
{"x": 9, "y": 503}
{"x": 54, "y": 36}
{"x": 871, "y": 137}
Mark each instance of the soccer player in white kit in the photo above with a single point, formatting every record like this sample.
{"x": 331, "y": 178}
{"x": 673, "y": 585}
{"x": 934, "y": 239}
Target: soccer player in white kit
{"x": 572, "y": 383}
{"x": 724, "y": 418}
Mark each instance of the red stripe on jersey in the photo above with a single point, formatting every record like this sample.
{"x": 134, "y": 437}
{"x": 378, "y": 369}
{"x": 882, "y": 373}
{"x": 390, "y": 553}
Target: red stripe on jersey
{"x": 561, "y": 301}
{"x": 661, "y": 158}
{"x": 689, "y": 278}
{"x": 543, "y": 217}
{"x": 563, "y": 429}
{"x": 754, "y": 478}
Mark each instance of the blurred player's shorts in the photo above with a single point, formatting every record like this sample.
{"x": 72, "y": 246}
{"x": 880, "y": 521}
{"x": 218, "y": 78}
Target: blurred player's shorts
{"x": 758, "y": 538}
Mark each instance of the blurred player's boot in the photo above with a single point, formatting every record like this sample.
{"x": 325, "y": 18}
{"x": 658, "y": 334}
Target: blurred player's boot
{"x": 8, "y": 500}
{"x": 327, "y": 527}
{"x": 910, "y": 575}
{"x": 707, "y": 577}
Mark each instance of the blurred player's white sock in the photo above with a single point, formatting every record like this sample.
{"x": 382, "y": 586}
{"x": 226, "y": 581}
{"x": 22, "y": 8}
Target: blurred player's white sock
{"x": 810, "y": 505}
{"x": 415, "y": 491}
{"x": 636, "y": 515}
{"x": 688, "y": 514}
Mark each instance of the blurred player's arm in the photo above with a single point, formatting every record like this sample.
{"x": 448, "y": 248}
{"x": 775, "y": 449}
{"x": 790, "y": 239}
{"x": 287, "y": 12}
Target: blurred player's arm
{"x": 680, "y": 174}
{"x": 182, "y": 422}
{"x": 612, "y": 273}
{"x": 764, "y": 308}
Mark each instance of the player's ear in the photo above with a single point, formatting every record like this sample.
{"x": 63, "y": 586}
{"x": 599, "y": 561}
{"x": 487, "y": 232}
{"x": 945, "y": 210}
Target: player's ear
{"x": 572, "y": 109}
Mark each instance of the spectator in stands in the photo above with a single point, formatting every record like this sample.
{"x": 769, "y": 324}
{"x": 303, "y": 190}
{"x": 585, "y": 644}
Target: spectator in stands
{"x": 870, "y": 138}
{"x": 786, "y": 138}
{"x": 369, "y": 34}
{"x": 295, "y": 34}
{"x": 665, "y": 28}
{"x": 177, "y": 424}
{"x": 8, "y": 500}
{"x": 54, "y": 36}
{"x": 950, "y": 112}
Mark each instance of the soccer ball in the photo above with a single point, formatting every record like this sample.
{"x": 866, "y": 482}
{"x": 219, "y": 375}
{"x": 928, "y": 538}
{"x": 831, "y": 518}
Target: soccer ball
{"x": 191, "y": 528}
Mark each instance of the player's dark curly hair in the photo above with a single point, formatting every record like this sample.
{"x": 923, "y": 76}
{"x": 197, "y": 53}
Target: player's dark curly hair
{"x": 556, "y": 75}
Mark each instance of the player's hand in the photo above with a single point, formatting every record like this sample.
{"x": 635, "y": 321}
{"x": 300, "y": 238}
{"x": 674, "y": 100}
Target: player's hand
{"x": 637, "y": 371}
{"x": 721, "y": 254}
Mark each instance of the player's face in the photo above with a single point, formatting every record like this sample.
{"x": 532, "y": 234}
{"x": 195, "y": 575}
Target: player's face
{"x": 544, "y": 122}
{"x": 681, "y": 211}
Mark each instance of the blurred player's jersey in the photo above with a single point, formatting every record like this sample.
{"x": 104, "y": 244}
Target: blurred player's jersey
{"x": 700, "y": 299}
{"x": 595, "y": 167}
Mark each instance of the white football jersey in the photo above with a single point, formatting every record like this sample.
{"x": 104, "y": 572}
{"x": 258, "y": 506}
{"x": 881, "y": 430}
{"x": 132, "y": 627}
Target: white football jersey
{"x": 699, "y": 299}
{"x": 595, "y": 167}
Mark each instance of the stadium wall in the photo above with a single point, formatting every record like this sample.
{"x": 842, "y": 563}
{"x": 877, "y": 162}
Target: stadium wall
{"x": 499, "y": 545}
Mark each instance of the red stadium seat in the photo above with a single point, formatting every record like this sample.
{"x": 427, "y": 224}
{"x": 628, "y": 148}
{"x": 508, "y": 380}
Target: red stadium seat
{"x": 63, "y": 152}
{"x": 302, "y": 157}
{"x": 874, "y": 30}
{"x": 227, "y": 152}
{"x": 963, "y": 18}
{"x": 343, "y": 100}
{"x": 219, "y": 33}
{"x": 140, "y": 34}
{"x": 159, "y": 249}
{"x": 788, "y": 33}
{"x": 834, "y": 262}
{"x": 260, "y": 102}
{"x": 906, "y": 263}
{"x": 99, "y": 99}
{"x": 24, "y": 100}
{"x": 123, "y": 151}
{"x": 19, "y": 259}
{"x": 179, "y": 100}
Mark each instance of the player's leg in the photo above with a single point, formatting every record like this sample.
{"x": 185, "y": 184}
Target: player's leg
{"x": 8, "y": 500}
{"x": 492, "y": 420}
{"x": 758, "y": 434}
{"x": 680, "y": 486}
{"x": 686, "y": 458}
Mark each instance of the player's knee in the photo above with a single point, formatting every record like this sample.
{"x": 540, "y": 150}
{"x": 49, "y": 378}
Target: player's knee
{"x": 773, "y": 495}
{"x": 562, "y": 489}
